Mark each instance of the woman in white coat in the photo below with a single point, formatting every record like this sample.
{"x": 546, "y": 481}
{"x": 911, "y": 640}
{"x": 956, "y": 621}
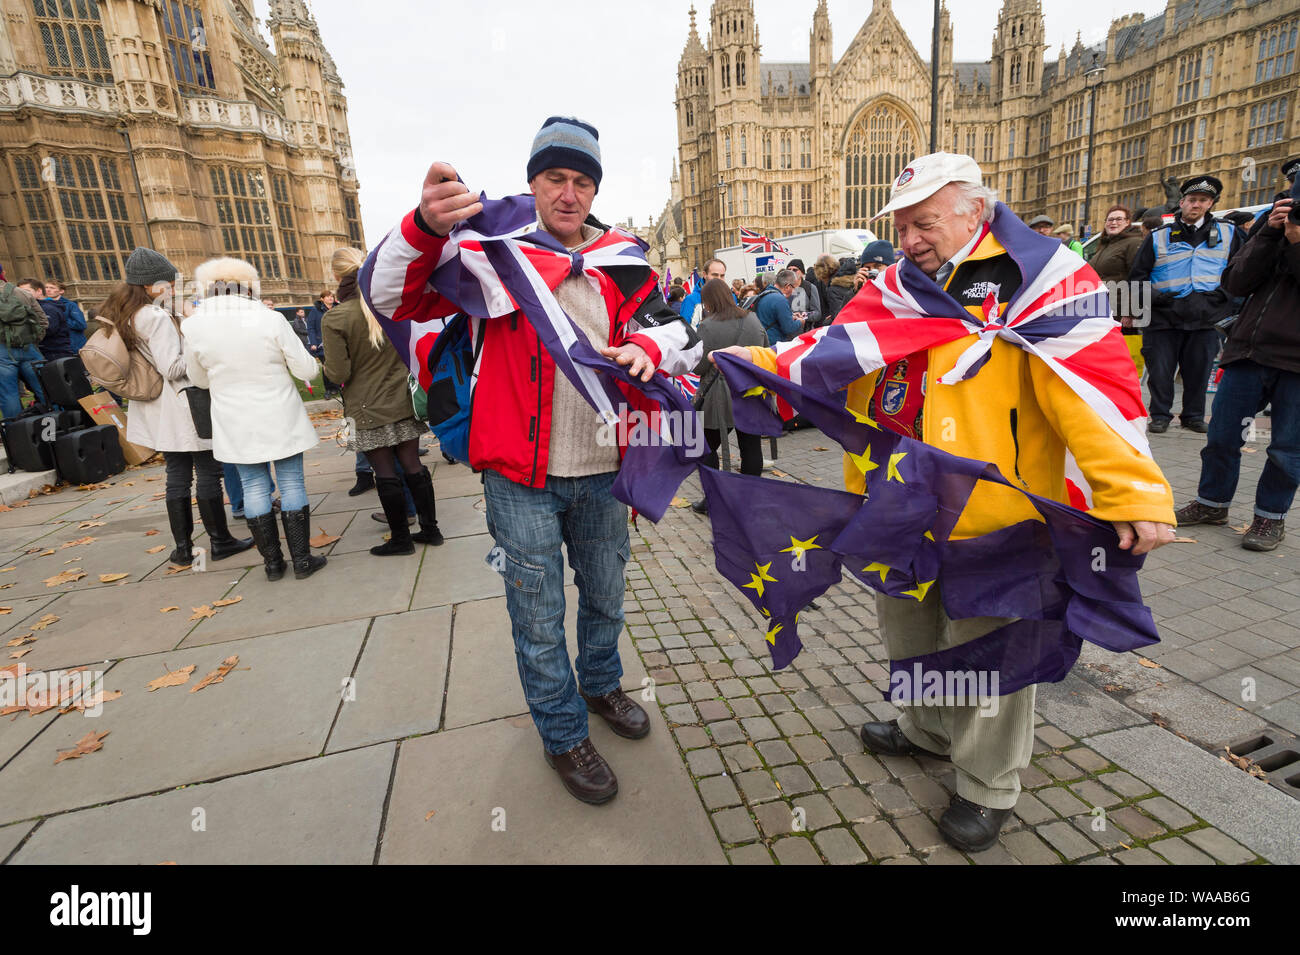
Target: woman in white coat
{"x": 248, "y": 356}
{"x": 165, "y": 423}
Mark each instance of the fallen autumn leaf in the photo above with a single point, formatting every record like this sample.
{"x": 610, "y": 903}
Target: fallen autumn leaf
{"x": 218, "y": 675}
{"x": 174, "y": 678}
{"x": 89, "y": 743}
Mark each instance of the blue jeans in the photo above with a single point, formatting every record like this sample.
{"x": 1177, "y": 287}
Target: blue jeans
{"x": 1245, "y": 390}
{"x": 16, "y": 363}
{"x": 257, "y": 486}
{"x": 529, "y": 526}
{"x": 235, "y": 488}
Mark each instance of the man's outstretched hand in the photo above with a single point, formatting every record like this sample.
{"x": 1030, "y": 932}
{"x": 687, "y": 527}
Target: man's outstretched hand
{"x": 631, "y": 354}
{"x": 1142, "y": 537}
{"x": 445, "y": 200}
{"x": 740, "y": 351}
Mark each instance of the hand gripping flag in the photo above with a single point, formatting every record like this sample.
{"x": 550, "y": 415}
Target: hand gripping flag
{"x": 1061, "y": 315}
{"x": 1061, "y": 580}
{"x": 499, "y": 262}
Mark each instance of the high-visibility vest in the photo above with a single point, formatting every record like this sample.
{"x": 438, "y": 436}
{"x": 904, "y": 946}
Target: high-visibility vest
{"x": 1182, "y": 268}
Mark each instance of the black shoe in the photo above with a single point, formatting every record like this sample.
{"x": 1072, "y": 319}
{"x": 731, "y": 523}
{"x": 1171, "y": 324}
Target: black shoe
{"x": 422, "y": 452}
{"x": 1265, "y": 533}
{"x": 701, "y": 506}
{"x": 379, "y": 517}
{"x": 181, "y": 518}
{"x": 394, "y": 502}
{"x": 585, "y": 773}
{"x": 365, "y": 482}
{"x": 267, "y": 536}
{"x": 888, "y": 740}
{"x": 971, "y": 827}
{"x": 1158, "y": 426}
{"x": 297, "y": 534}
{"x": 448, "y": 458}
{"x": 220, "y": 543}
{"x": 1198, "y": 426}
{"x": 1198, "y": 513}
{"x": 420, "y": 485}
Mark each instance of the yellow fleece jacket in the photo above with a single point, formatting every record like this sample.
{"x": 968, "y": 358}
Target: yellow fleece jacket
{"x": 974, "y": 419}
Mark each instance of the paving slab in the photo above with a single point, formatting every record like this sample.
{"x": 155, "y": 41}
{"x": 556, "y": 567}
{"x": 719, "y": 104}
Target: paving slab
{"x": 109, "y": 623}
{"x": 484, "y": 680}
{"x": 457, "y": 571}
{"x": 1080, "y": 709}
{"x": 10, "y": 836}
{"x": 400, "y": 680}
{"x": 1247, "y": 809}
{"x": 278, "y": 709}
{"x": 323, "y": 811}
{"x": 500, "y": 776}
{"x": 290, "y": 604}
{"x": 1198, "y": 713}
{"x": 455, "y": 480}
{"x": 18, "y": 730}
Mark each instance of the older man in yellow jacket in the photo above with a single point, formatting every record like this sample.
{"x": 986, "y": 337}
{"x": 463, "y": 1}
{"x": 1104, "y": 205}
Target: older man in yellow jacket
{"x": 1019, "y": 413}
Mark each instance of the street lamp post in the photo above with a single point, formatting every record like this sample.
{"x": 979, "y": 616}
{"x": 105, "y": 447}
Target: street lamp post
{"x": 722, "y": 209}
{"x": 1089, "y": 75}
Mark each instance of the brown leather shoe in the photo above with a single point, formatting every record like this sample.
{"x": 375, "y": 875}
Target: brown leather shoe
{"x": 624, "y": 717}
{"x": 585, "y": 773}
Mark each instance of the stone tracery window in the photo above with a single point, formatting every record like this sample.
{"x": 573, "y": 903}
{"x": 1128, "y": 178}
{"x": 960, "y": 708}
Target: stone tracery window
{"x": 877, "y": 150}
{"x": 73, "y": 39}
{"x": 187, "y": 45}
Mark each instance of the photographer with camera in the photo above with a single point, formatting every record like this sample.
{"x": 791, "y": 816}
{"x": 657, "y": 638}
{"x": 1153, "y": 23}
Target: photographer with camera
{"x": 1261, "y": 364}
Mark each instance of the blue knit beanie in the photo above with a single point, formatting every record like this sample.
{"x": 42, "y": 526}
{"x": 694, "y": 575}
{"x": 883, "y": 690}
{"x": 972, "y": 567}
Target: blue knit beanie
{"x": 879, "y": 252}
{"x": 566, "y": 143}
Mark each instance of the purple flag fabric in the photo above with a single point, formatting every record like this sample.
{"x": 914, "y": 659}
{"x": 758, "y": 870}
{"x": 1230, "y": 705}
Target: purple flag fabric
{"x": 1064, "y": 578}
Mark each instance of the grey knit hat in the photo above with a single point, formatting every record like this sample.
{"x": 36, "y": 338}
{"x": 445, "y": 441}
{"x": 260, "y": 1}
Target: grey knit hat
{"x": 566, "y": 143}
{"x": 145, "y": 266}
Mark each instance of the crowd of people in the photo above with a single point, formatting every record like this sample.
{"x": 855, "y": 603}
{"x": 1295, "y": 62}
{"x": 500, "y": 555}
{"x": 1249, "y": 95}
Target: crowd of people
{"x": 228, "y": 417}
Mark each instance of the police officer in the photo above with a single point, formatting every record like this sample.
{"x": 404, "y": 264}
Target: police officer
{"x": 1183, "y": 262}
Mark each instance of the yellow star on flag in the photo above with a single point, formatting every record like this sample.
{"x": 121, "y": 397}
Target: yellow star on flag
{"x": 920, "y": 590}
{"x": 756, "y": 392}
{"x": 863, "y": 460}
{"x": 892, "y": 474}
{"x": 797, "y": 547}
{"x": 771, "y": 634}
{"x": 875, "y": 567}
{"x": 861, "y": 418}
{"x": 756, "y": 580}
{"x": 929, "y": 536}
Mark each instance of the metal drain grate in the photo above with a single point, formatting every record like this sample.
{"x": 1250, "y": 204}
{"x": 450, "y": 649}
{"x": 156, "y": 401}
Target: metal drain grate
{"x": 1276, "y": 755}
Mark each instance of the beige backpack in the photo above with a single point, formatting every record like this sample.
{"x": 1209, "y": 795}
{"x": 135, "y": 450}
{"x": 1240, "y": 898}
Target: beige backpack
{"x": 110, "y": 365}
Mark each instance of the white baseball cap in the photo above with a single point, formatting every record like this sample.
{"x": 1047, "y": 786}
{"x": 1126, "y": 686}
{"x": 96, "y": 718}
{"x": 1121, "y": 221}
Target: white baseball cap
{"x": 926, "y": 175}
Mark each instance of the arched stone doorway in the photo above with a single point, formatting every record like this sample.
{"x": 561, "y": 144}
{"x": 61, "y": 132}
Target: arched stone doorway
{"x": 878, "y": 146}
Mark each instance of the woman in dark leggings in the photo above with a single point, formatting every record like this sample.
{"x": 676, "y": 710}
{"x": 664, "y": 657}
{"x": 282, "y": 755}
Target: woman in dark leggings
{"x": 377, "y": 406}
{"x": 725, "y": 324}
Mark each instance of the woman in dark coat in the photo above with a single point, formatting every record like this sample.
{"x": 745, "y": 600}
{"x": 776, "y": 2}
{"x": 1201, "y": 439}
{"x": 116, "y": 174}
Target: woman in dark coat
{"x": 1117, "y": 247}
{"x": 725, "y": 324}
{"x": 377, "y": 402}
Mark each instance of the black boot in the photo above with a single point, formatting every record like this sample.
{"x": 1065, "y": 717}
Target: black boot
{"x": 421, "y": 487}
{"x": 220, "y": 544}
{"x": 365, "y": 481}
{"x": 393, "y": 501}
{"x": 297, "y": 534}
{"x": 181, "y": 518}
{"x": 267, "y": 536}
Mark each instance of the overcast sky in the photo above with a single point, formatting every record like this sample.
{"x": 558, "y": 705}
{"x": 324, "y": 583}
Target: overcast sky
{"x": 470, "y": 83}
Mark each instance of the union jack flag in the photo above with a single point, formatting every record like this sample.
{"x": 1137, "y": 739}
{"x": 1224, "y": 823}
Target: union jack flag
{"x": 756, "y": 242}
{"x": 692, "y": 283}
{"x": 688, "y": 383}
{"x": 1062, "y": 316}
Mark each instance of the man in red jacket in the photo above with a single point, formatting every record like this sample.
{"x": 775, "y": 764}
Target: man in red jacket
{"x": 548, "y": 464}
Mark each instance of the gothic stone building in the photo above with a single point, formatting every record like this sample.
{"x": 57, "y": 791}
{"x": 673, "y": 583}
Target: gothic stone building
{"x": 171, "y": 123}
{"x": 1207, "y": 87}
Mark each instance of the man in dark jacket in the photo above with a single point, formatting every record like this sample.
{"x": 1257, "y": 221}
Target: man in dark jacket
{"x": 1261, "y": 364}
{"x": 772, "y": 306}
{"x": 1183, "y": 262}
{"x": 1289, "y": 170}
{"x": 57, "y": 342}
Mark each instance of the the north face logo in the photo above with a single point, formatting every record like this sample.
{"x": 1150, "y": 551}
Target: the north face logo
{"x": 904, "y": 178}
{"x": 981, "y": 291}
